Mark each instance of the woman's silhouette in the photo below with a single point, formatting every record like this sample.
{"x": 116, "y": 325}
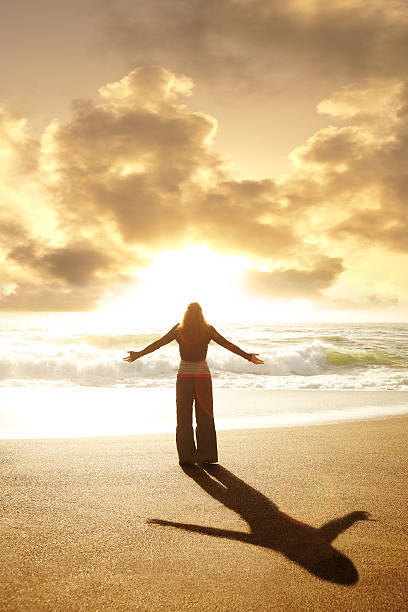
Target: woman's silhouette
{"x": 194, "y": 384}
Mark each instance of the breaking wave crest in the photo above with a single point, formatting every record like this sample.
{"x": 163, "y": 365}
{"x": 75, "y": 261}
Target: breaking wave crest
{"x": 97, "y": 361}
{"x": 364, "y": 358}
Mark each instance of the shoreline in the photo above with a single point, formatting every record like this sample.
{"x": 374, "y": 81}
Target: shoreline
{"x": 50, "y": 412}
{"x": 171, "y": 435}
{"x": 114, "y": 523}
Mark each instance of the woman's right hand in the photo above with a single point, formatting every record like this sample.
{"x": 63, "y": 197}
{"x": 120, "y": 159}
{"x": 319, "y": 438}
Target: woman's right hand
{"x": 254, "y": 359}
{"x": 132, "y": 356}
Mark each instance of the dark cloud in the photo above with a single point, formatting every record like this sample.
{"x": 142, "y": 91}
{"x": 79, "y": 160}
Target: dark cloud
{"x": 376, "y": 228}
{"x": 333, "y": 146}
{"x": 245, "y": 217}
{"x": 295, "y": 283}
{"x": 45, "y": 296}
{"x": 74, "y": 277}
{"x": 77, "y": 264}
{"x": 236, "y": 42}
{"x": 10, "y": 230}
{"x": 130, "y": 160}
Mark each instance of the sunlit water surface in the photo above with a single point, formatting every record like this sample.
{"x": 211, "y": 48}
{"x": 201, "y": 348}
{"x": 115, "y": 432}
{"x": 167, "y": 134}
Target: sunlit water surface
{"x": 53, "y": 378}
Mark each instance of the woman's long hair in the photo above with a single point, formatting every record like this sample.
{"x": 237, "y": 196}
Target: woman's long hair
{"x": 194, "y": 328}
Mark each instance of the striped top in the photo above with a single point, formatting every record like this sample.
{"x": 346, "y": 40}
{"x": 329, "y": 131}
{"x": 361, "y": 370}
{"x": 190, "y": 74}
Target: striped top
{"x": 193, "y": 368}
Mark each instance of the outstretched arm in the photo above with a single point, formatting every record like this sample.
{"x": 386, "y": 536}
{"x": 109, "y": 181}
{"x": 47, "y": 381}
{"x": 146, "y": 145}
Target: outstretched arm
{"x": 232, "y": 347}
{"x": 241, "y": 536}
{"x": 133, "y": 355}
{"x": 333, "y": 528}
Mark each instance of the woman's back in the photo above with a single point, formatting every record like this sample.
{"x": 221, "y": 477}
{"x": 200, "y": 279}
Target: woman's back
{"x": 196, "y": 350}
{"x": 193, "y": 349}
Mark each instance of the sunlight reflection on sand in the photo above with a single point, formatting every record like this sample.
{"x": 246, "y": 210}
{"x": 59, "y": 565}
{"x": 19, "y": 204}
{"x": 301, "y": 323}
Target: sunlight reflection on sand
{"x": 41, "y": 412}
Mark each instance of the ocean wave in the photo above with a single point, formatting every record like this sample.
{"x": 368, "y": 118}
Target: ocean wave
{"x": 82, "y": 369}
{"x": 351, "y": 358}
{"x": 305, "y": 360}
{"x": 91, "y": 364}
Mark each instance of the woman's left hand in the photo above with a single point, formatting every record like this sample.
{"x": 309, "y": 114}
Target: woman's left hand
{"x": 254, "y": 358}
{"x": 132, "y": 356}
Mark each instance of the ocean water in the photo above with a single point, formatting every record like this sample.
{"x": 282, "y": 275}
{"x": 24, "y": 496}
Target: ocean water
{"x": 296, "y": 356}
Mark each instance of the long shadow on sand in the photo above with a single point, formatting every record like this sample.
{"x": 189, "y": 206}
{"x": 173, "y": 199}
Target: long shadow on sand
{"x": 308, "y": 546}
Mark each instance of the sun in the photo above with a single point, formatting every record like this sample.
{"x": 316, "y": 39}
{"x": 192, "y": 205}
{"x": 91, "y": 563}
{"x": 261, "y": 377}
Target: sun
{"x": 178, "y": 277}
{"x": 196, "y": 273}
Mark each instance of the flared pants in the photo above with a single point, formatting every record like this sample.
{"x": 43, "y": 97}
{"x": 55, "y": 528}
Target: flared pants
{"x": 195, "y": 390}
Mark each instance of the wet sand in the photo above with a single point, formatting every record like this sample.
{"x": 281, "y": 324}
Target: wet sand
{"x": 116, "y": 524}
{"x": 53, "y": 412}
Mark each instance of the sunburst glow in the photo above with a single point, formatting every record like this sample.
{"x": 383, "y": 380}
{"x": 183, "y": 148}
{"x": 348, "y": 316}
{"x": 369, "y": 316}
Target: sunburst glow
{"x": 176, "y": 278}
{"x": 196, "y": 273}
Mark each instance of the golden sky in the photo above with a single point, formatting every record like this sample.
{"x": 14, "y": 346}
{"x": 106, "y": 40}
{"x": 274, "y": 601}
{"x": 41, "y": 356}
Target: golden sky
{"x": 257, "y": 148}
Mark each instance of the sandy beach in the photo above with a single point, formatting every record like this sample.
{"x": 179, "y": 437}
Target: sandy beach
{"x": 116, "y": 524}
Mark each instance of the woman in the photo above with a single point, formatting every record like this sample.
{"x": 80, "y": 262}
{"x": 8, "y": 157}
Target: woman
{"x": 194, "y": 384}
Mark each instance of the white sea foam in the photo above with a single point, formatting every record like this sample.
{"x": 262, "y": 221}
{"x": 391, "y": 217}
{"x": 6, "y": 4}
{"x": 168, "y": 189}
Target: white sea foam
{"x": 303, "y": 360}
{"x": 83, "y": 367}
{"x": 296, "y": 357}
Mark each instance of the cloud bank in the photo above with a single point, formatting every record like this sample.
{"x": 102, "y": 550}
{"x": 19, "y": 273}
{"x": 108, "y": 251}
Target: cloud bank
{"x": 84, "y": 208}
